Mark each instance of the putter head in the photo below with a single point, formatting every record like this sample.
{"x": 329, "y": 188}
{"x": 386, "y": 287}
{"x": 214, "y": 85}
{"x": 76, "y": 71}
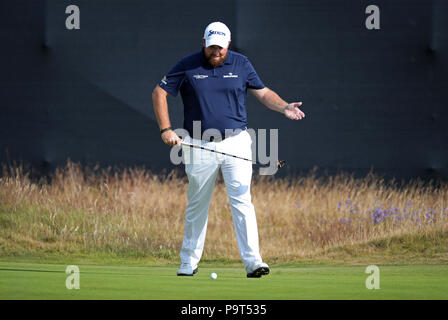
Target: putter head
{"x": 281, "y": 163}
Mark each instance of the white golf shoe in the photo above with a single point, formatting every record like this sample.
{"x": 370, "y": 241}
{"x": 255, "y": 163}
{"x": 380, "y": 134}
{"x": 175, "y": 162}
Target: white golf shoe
{"x": 259, "y": 270}
{"x": 186, "y": 270}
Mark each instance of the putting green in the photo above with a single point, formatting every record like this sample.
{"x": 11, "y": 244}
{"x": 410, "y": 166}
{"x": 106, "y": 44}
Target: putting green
{"x": 159, "y": 282}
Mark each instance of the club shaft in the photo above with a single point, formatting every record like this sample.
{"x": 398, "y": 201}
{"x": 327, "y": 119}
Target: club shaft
{"x": 280, "y": 163}
{"x": 215, "y": 151}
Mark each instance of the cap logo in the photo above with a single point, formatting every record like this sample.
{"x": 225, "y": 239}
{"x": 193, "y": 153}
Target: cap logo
{"x": 216, "y": 32}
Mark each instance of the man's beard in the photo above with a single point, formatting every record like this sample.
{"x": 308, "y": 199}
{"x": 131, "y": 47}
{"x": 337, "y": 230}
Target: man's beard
{"x": 216, "y": 61}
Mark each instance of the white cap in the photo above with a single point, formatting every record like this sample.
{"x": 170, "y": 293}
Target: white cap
{"x": 218, "y": 34}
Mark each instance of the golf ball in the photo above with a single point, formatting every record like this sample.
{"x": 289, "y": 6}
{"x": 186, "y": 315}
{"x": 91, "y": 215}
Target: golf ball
{"x": 213, "y": 275}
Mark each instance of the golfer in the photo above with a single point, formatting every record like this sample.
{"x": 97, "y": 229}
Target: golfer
{"x": 213, "y": 84}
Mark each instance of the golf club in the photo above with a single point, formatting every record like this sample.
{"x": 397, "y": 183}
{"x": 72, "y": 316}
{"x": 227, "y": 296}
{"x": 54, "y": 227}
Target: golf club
{"x": 280, "y": 163}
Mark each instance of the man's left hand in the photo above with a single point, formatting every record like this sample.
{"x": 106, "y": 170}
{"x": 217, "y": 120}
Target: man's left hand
{"x": 293, "y": 112}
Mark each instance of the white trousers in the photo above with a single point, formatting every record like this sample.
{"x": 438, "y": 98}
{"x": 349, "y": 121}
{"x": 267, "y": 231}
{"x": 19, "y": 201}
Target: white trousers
{"x": 202, "y": 168}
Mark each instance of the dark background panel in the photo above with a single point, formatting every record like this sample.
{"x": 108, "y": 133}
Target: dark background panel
{"x": 373, "y": 98}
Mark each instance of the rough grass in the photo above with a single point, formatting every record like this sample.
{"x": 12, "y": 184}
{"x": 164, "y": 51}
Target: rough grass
{"x": 137, "y": 214}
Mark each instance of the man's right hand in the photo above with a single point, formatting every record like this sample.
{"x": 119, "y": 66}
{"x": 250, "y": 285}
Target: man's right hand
{"x": 171, "y": 138}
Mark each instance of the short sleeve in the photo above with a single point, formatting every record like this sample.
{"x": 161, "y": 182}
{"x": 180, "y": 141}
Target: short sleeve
{"x": 253, "y": 80}
{"x": 172, "y": 82}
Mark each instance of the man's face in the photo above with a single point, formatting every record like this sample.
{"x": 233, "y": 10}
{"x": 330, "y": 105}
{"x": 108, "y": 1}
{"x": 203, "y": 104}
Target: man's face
{"x": 215, "y": 55}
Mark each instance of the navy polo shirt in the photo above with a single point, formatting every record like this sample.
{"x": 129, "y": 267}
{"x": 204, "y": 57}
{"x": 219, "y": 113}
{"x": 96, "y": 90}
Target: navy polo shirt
{"x": 216, "y": 96}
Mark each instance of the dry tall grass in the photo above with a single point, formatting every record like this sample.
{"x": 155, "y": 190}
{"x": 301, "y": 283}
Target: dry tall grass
{"x": 136, "y": 213}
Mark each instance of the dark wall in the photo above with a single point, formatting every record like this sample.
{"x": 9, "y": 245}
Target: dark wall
{"x": 373, "y": 98}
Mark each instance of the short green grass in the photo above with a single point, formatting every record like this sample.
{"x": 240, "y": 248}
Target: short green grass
{"x": 20, "y": 280}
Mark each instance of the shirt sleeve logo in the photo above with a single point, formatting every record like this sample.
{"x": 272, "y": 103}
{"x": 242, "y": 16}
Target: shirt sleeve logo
{"x": 163, "y": 80}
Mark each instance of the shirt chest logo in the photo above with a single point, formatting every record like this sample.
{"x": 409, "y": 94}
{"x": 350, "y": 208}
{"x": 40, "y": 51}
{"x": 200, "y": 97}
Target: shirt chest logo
{"x": 230, "y": 75}
{"x": 200, "y": 76}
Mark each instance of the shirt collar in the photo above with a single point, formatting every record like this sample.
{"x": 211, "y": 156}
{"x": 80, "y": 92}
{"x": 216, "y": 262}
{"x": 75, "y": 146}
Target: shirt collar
{"x": 229, "y": 58}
